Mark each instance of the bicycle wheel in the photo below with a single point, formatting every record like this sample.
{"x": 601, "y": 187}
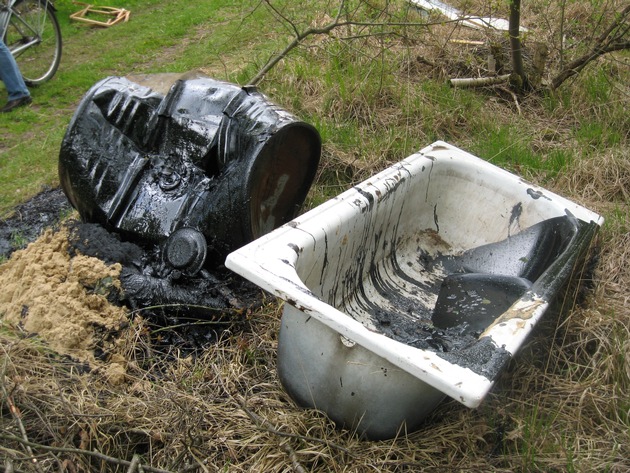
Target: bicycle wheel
{"x": 34, "y": 38}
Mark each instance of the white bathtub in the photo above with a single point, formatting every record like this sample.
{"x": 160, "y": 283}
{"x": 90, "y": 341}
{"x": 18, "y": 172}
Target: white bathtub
{"x": 419, "y": 283}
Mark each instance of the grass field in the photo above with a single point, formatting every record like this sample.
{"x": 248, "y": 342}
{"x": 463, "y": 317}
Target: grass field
{"x": 377, "y": 91}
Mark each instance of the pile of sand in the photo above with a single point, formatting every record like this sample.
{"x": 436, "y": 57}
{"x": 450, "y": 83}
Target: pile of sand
{"x": 61, "y": 299}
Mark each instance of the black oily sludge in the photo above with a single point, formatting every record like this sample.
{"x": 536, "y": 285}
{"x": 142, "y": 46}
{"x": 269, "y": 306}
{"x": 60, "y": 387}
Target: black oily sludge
{"x": 190, "y": 311}
{"x": 148, "y": 285}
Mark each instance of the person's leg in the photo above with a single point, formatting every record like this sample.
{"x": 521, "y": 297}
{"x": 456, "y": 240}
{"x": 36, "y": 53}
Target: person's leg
{"x": 10, "y": 75}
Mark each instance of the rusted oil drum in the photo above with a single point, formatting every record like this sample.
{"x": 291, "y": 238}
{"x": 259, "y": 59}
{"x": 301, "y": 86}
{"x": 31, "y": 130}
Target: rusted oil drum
{"x": 201, "y": 169}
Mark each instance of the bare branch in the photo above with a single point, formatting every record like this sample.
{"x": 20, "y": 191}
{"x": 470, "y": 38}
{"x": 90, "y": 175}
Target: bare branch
{"x": 283, "y": 17}
{"x": 336, "y": 23}
{"x": 342, "y": 6}
{"x": 620, "y": 20}
{"x": 267, "y": 427}
{"x": 614, "y": 38}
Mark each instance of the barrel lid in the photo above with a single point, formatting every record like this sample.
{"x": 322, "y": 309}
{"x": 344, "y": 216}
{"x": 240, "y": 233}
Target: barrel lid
{"x": 186, "y": 250}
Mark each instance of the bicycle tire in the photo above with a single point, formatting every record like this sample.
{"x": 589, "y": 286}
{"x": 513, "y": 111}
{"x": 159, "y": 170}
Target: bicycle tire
{"x": 35, "y": 20}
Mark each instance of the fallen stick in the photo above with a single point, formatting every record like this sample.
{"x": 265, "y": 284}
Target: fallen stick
{"x": 467, "y": 42}
{"x": 295, "y": 463}
{"x": 78, "y": 451}
{"x": 479, "y": 81}
{"x": 17, "y": 416}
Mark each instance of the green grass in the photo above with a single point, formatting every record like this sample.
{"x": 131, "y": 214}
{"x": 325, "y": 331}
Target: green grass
{"x": 350, "y": 89}
{"x": 506, "y": 147}
{"x": 31, "y": 137}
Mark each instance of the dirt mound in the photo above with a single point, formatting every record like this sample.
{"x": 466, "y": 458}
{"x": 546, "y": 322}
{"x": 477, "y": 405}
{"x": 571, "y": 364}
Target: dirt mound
{"x": 61, "y": 298}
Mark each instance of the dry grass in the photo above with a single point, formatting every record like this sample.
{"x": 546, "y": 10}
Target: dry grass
{"x": 561, "y": 406}
{"x": 603, "y": 179}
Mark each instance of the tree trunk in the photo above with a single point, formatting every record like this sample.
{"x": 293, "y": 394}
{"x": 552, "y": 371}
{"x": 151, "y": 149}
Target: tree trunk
{"x": 515, "y": 44}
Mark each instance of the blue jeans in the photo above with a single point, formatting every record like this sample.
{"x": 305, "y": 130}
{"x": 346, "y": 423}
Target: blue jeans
{"x": 10, "y": 74}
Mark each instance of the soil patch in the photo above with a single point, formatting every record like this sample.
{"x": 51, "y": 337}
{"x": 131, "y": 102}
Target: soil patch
{"x": 29, "y": 220}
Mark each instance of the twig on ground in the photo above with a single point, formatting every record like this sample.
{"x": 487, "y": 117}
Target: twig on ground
{"x": 15, "y": 413}
{"x": 294, "y": 459}
{"x": 266, "y": 426}
{"x": 78, "y": 451}
{"x": 518, "y": 106}
{"x": 274, "y": 431}
{"x": 270, "y": 428}
{"x": 479, "y": 81}
{"x": 199, "y": 462}
{"x": 135, "y": 461}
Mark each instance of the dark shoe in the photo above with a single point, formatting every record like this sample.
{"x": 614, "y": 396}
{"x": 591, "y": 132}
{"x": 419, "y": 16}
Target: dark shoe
{"x": 11, "y": 104}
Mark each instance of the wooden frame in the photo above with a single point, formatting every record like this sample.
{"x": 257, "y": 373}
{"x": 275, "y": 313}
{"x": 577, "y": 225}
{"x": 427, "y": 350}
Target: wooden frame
{"x": 118, "y": 15}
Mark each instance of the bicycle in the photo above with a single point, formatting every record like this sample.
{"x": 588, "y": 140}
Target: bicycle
{"x": 31, "y": 31}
